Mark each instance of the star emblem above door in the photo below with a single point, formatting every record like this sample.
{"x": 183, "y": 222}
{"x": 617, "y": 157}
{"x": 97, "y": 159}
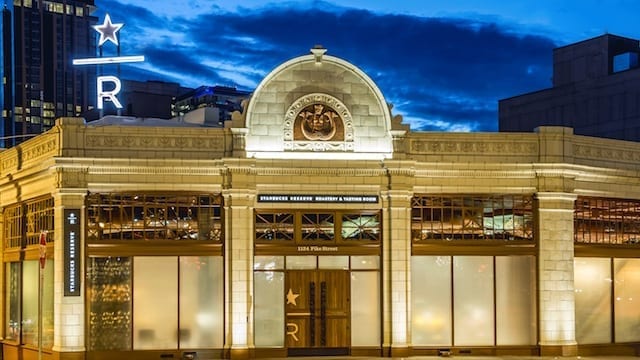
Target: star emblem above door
{"x": 291, "y": 298}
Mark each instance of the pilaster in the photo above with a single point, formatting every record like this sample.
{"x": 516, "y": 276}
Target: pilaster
{"x": 239, "y": 205}
{"x": 555, "y": 273}
{"x": 69, "y": 311}
{"x": 396, "y": 275}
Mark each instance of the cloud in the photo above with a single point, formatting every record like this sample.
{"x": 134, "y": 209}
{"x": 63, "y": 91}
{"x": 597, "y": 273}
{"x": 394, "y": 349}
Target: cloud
{"x": 441, "y": 73}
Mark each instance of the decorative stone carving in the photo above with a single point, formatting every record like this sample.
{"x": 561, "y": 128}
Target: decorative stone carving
{"x": 318, "y": 122}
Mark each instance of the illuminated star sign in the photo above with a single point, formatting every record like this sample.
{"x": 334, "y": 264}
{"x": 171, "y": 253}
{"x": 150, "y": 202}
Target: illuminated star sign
{"x": 291, "y": 298}
{"x": 108, "y": 31}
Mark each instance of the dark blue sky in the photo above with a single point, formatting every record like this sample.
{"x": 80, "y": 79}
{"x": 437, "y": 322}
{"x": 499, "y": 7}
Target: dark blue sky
{"x": 443, "y": 64}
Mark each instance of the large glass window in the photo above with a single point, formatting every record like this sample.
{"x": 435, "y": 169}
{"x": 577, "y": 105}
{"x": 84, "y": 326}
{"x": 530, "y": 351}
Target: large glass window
{"x": 453, "y": 300}
{"x": 155, "y": 306}
{"x": 30, "y": 295}
{"x": 155, "y": 302}
{"x": 472, "y": 217}
{"x": 431, "y": 301}
{"x": 594, "y": 279}
{"x": 473, "y": 318}
{"x": 154, "y": 217}
{"x": 12, "y": 301}
{"x": 201, "y": 302}
{"x": 627, "y": 299}
{"x": 592, "y": 283}
{"x": 109, "y": 293}
{"x": 515, "y": 300}
{"x": 607, "y": 221}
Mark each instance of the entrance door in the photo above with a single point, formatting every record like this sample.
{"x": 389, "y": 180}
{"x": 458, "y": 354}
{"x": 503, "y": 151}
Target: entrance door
{"x": 317, "y": 308}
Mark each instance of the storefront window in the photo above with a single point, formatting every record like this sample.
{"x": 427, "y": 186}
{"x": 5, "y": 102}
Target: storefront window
{"x": 453, "y": 302}
{"x": 592, "y": 282}
{"x": 269, "y": 308}
{"x": 431, "y": 301}
{"x": 365, "y": 308}
{"x": 155, "y": 306}
{"x": 201, "y": 302}
{"x": 627, "y": 300}
{"x": 594, "y": 278}
{"x": 159, "y": 302}
{"x": 12, "y": 301}
{"x": 109, "y": 293}
{"x": 30, "y": 295}
{"x": 515, "y": 300}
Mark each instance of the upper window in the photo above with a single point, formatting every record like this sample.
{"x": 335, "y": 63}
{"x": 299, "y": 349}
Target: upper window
{"x": 472, "y": 217}
{"x": 607, "y": 221}
{"x": 154, "y": 217}
{"x": 35, "y": 216}
{"x": 319, "y": 227}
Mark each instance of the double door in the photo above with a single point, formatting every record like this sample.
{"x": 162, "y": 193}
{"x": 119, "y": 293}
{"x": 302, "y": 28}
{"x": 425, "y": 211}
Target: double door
{"x": 317, "y": 306}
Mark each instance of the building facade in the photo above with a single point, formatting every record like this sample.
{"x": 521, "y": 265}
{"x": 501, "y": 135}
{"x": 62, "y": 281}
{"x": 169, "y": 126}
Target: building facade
{"x": 316, "y": 223}
{"x": 39, "y": 39}
{"x": 594, "y": 91}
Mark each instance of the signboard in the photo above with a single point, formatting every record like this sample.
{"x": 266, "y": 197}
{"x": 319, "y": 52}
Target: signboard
{"x": 338, "y": 199}
{"x": 72, "y": 266}
{"x": 108, "y": 32}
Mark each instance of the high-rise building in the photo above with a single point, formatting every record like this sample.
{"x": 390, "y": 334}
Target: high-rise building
{"x": 40, "y": 37}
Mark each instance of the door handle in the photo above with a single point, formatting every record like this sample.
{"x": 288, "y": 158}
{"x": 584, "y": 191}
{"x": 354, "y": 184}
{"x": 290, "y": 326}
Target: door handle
{"x": 312, "y": 310}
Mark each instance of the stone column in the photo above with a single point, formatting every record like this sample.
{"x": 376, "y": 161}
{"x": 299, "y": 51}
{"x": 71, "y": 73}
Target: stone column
{"x": 238, "y": 258}
{"x": 555, "y": 274}
{"x": 396, "y": 275}
{"x": 69, "y": 311}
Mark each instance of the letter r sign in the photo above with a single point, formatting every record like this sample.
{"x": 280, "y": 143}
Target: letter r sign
{"x": 110, "y": 94}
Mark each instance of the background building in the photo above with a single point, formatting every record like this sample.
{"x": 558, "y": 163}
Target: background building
{"x": 595, "y": 91}
{"x": 40, "y": 37}
{"x": 210, "y": 105}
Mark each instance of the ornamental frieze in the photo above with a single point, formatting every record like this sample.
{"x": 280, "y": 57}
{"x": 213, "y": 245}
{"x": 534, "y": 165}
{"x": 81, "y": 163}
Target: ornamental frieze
{"x": 605, "y": 153}
{"x": 33, "y": 152}
{"x": 164, "y": 142}
{"x": 479, "y": 147}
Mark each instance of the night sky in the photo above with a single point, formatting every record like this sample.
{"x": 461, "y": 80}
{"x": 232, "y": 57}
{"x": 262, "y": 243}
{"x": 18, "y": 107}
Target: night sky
{"x": 442, "y": 64}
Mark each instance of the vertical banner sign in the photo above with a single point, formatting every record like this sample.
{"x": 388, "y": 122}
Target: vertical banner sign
{"x": 71, "y": 252}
